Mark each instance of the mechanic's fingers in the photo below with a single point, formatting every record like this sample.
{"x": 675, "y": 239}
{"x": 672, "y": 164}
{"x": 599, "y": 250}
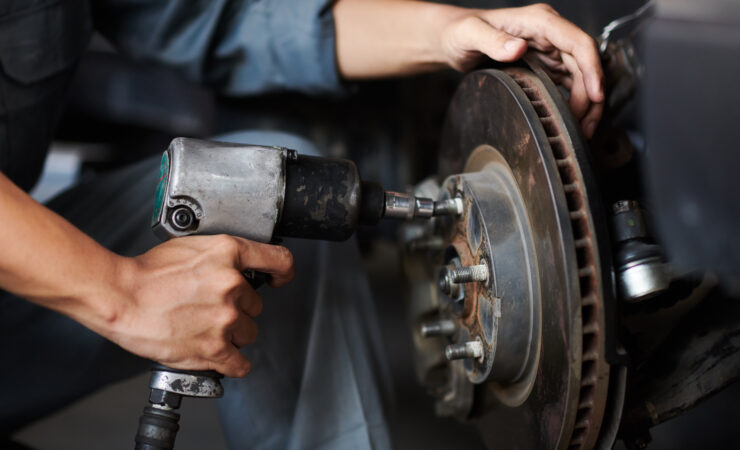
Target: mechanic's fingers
{"x": 275, "y": 260}
{"x": 233, "y": 364}
{"x": 591, "y": 119}
{"x": 244, "y": 331}
{"x": 579, "y": 100}
{"x": 478, "y": 35}
{"x": 560, "y": 78}
{"x": 553, "y": 64}
{"x": 546, "y": 26}
{"x": 566, "y": 81}
{"x": 250, "y": 302}
{"x": 571, "y": 39}
{"x": 544, "y": 47}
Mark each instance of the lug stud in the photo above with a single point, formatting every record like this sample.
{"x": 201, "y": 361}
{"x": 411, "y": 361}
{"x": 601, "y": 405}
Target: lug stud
{"x": 452, "y": 276}
{"x": 444, "y": 327}
{"x": 470, "y": 349}
{"x": 469, "y": 274}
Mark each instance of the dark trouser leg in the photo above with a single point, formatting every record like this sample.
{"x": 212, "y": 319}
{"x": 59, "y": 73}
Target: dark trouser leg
{"x": 318, "y": 375}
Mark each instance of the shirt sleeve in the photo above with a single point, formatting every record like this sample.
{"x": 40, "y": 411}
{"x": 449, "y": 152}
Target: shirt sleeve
{"x": 239, "y": 47}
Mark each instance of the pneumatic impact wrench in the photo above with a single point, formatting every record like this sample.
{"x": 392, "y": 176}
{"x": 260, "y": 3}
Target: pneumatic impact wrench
{"x": 258, "y": 193}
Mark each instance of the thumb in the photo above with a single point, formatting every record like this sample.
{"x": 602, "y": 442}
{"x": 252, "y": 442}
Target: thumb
{"x": 479, "y": 35}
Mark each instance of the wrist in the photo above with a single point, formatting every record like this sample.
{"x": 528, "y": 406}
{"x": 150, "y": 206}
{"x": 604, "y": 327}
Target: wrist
{"x": 442, "y": 26}
{"x": 106, "y": 301}
{"x": 437, "y": 20}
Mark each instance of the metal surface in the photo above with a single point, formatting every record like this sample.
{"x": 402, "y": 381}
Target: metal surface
{"x": 453, "y": 276}
{"x": 470, "y": 274}
{"x": 157, "y": 429}
{"x": 470, "y": 349}
{"x": 424, "y": 207}
{"x": 407, "y": 206}
{"x": 182, "y": 218}
{"x": 203, "y": 175}
{"x": 186, "y": 384}
{"x": 500, "y": 308}
{"x": 642, "y": 271}
{"x": 643, "y": 279}
{"x": 401, "y": 205}
{"x": 438, "y": 328}
{"x": 323, "y": 199}
{"x": 449, "y": 207}
{"x": 640, "y": 14}
{"x": 700, "y": 357}
{"x": 516, "y": 124}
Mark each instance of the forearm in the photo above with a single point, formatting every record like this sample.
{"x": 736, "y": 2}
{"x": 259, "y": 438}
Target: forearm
{"x": 377, "y": 38}
{"x": 47, "y": 260}
{"x": 381, "y": 38}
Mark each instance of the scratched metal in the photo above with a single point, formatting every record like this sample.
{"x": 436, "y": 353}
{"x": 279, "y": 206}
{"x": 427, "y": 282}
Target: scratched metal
{"x": 186, "y": 384}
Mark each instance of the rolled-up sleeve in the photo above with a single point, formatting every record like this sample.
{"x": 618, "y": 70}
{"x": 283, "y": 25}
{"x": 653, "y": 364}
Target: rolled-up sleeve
{"x": 239, "y": 47}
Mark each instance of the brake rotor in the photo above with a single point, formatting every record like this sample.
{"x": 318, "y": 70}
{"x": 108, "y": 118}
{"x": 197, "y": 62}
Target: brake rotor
{"x": 513, "y": 152}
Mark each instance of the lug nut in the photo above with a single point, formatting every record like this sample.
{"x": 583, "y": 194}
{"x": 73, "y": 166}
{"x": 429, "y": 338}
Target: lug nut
{"x": 470, "y": 349}
{"x": 449, "y": 288}
{"x": 444, "y": 327}
{"x": 449, "y": 207}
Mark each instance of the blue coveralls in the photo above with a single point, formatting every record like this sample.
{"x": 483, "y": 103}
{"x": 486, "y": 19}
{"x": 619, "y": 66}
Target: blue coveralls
{"x": 318, "y": 376}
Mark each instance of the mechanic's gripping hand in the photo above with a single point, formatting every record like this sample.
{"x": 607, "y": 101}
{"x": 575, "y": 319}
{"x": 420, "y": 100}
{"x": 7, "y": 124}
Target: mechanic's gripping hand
{"x": 568, "y": 54}
{"x": 190, "y": 307}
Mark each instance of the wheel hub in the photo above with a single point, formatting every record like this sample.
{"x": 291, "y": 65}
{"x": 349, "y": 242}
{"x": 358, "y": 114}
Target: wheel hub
{"x": 512, "y": 153}
{"x": 494, "y": 231}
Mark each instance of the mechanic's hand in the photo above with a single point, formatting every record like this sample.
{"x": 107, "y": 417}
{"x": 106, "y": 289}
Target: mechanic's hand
{"x": 190, "y": 307}
{"x": 568, "y": 54}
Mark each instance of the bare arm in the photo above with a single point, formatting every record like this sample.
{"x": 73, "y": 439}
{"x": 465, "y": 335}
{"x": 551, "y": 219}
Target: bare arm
{"x": 380, "y": 38}
{"x": 146, "y": 303}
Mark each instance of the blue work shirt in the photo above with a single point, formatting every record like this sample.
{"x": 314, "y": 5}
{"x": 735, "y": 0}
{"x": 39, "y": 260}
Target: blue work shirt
{"x": 238, "y": 47}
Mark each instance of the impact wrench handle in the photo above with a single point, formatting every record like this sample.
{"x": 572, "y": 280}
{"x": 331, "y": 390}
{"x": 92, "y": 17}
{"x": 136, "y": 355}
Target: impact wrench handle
{"x": 158, "y": 424}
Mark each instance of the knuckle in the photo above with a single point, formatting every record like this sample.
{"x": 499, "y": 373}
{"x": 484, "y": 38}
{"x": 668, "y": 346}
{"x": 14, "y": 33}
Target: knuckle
{"x": 225, "y": 243}
{"x": 227, "y": 285}
{"x": 542, "y": 8}
{"x": 469, "y": 21}
{"x": 229, "y": 316}
{"x": 255, "y": 306}
{"x": 550, "y": 21}
{"x": 286, "y": 257}
{"x": 214, "y": 349}
{"x": 232, "y": 281}
{"x": 587, "y": 42}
